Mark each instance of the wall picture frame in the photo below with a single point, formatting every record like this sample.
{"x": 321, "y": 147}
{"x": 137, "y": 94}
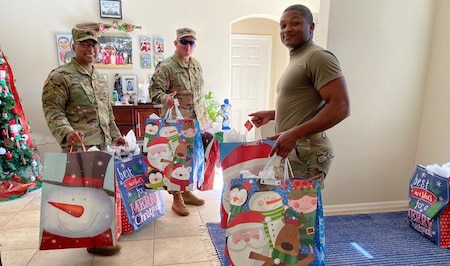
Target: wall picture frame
{"x": 110, "y": 9}
{"x": 129, "y": 84}
{"x": 64, "y": 48}
{"x": 115, "y": 52}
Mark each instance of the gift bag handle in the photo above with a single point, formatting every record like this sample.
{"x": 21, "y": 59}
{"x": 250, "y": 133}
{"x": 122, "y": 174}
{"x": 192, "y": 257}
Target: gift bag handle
{"x": 287, "y": 169}
{"x": 169, "y": 114}
{"x": 82, "y": 145}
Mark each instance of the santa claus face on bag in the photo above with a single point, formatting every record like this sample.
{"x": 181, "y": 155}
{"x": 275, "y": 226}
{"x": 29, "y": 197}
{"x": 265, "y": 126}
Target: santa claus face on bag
{"x": 158, "y": 153}
{"x": 246, "y": 240}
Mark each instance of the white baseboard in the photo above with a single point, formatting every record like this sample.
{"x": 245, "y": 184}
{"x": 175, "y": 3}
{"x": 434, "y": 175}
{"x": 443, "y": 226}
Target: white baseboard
{"x": 365, "y": 207}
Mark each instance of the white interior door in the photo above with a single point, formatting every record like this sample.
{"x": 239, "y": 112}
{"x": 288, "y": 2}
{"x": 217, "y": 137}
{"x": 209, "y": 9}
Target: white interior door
{"x": 250, "y": 77}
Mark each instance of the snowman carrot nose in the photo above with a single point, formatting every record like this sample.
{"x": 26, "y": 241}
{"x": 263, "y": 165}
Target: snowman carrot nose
{"x": 74, "y": 210}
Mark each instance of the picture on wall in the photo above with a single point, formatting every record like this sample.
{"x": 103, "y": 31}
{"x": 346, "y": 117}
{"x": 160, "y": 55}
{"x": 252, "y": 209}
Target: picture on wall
{"x": 110, "y": 9}
{"x": 158, "y": 58}
{"x": 64, "y": 48}
{"x": 115, "y": 52}
{"x": 146, "y": 60}
{"x": 159, "y": 45}
{"x": 146, "y": 44}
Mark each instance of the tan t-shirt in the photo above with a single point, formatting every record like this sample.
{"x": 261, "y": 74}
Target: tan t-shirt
{"x": 310, "y": 68}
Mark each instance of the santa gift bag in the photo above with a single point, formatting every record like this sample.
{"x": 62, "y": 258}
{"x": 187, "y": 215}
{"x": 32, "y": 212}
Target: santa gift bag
{"x": 275, "y": 222}
{"x": 140, "y": 205}
{"x": 78, "y": 206}
{"x": 175, "y": 154}
{"x": 237, "y": 156}
{"x": 429, "y": 209}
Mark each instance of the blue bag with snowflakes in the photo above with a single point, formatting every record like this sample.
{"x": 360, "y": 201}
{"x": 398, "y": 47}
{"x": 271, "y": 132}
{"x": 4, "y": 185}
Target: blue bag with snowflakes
{"x": 275, "y": 222}
{"x": 140, "y": 205}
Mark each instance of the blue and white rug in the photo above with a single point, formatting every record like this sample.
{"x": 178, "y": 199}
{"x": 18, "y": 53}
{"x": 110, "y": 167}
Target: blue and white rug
{"x": 366, "y": 239}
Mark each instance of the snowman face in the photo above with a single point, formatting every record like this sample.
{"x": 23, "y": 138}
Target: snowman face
{"x": 265, "y": 201}
{"x": 168, "y": 131}
{"x": 77, "y": 212}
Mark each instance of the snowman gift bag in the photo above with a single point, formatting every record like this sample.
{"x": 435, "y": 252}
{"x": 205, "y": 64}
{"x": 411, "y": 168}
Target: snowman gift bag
{"x": 175, "y": 158}
{"x": 78, "y": 204}
{"x": 274, "y": 221}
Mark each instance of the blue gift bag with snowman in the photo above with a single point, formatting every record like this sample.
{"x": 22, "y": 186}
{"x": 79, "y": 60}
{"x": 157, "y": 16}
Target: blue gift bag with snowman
{"x": 78, "y": 203}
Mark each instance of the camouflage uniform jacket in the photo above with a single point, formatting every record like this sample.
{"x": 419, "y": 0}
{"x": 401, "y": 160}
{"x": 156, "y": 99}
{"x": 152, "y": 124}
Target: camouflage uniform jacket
{"x": 73, "y": 99}
{"x": 187, "y": 80}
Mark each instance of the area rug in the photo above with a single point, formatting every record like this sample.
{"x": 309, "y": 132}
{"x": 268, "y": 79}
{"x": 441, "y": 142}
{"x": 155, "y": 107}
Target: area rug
{"x": 366, "y": 239}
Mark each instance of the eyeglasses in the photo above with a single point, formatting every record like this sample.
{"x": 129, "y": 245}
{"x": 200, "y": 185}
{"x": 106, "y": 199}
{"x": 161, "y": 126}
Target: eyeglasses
{"x": 85, "y": 45}
{"x": 186, "y": 42}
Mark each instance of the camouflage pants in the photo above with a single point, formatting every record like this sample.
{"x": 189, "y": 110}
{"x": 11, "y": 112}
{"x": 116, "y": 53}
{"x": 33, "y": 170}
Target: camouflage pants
{"x": 311, "y": 158}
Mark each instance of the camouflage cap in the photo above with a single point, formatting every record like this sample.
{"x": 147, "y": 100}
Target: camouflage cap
{"x": 80, "y": 35}
{"x": 183, "y": 32}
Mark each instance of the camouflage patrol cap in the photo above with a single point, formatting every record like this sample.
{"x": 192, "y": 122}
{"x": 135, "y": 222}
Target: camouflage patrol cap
{"x": 183, "y": 32}
{"x": 80, "y": 35}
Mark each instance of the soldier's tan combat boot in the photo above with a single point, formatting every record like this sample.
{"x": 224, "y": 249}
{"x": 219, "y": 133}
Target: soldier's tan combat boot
{"x": 178, "y": 205}
{"x": 191, "y": 199}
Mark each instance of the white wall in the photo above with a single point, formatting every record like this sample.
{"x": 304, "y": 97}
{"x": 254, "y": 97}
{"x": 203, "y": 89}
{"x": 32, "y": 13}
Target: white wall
{"x": 383, "y": 47}
{"x": 434, "y": 140}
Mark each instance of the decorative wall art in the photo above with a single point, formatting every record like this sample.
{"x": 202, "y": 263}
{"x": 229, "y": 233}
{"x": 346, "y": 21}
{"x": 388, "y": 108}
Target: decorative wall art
{"x": 64, "y": 48}
{"x": 115, "y": 52}
{"x": 146, "y": 44}
{"x": 146, "y": 60}
{"x": 110, "y": 9}
{"x": 158, "y": 58}
{"x": 159, "y": 45}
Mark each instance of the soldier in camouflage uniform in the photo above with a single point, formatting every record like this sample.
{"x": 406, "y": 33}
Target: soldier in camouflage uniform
{"x": 181, "y": 75}
{"x": 77, "y": 105}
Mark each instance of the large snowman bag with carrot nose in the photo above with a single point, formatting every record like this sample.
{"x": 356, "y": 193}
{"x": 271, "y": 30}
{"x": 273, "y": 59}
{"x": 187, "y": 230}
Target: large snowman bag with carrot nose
{"x": 78, "y": 206}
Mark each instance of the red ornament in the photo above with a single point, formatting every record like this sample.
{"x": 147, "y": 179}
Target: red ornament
{"x": 16, "y": 177}
{"x": 15, "y": 111}
{"x": 8, "y": 155}
{"x": 38, "y": 177}
{"x": 4, "y": 133}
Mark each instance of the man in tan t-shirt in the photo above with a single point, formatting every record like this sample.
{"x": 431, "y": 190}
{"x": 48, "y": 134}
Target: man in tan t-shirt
{"x": 312, "y": 97}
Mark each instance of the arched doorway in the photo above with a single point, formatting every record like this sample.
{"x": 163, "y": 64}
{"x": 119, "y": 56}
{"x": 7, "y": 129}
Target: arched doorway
{"x": 257, "y": 60}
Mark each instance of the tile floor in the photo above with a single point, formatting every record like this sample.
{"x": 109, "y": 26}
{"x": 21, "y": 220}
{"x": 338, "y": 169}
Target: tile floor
{"x": 170, "y": 240}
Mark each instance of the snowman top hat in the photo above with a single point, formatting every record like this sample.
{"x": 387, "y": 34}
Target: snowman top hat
{"x": 86, "y": 169}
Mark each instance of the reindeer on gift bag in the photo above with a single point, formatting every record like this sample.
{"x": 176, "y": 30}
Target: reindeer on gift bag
{"x": 287, "y": 246}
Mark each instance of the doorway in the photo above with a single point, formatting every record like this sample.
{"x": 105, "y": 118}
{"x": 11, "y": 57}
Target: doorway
{"x": 250, "y": 76}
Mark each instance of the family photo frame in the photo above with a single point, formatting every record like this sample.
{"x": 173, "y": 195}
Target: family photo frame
{"x": 129, "y": 84}
{"x": 115, "y": 52}
{"x": 110, "y": 9}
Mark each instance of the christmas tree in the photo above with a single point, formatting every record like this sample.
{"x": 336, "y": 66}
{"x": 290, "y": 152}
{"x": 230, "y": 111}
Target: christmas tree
{"x": 19, "y": 165}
